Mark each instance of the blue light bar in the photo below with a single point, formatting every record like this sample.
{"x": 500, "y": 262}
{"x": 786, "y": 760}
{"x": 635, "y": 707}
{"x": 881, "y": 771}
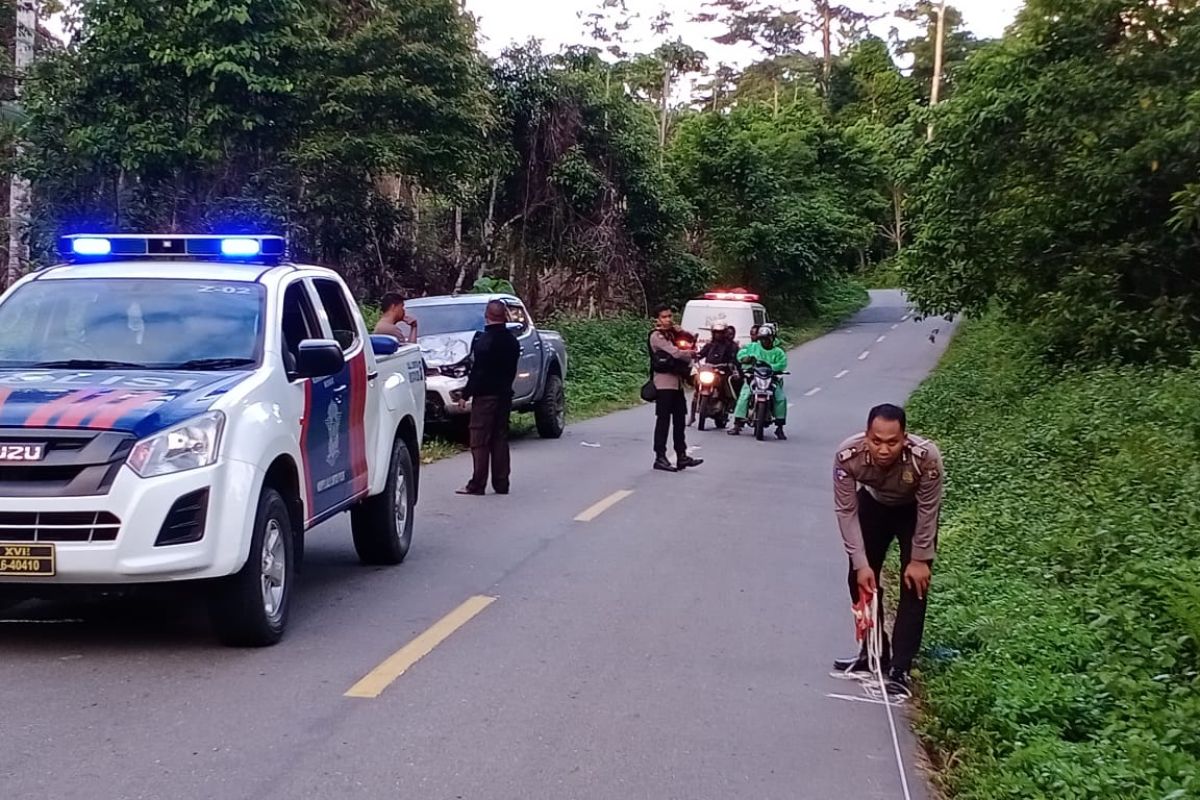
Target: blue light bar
{"x": 240, "y": 248}
{"x": 91, "y": 247}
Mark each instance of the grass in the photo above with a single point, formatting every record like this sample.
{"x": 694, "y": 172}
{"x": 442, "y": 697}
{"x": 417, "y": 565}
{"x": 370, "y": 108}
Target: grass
{"x": 883, "y": 275}
{"x": 607, "y": 362}
{"x": 1063, "y": 648}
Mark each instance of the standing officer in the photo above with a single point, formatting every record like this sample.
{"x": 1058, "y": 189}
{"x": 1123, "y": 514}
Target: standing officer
{"x": 888, "y": 484}
{"x": 670, "y": 365}
{"x": 494, "y": 357}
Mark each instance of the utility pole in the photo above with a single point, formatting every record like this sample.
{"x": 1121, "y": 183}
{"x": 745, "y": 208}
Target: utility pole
{"x": 937, "y": 63}
{"x": 24, "y": 32}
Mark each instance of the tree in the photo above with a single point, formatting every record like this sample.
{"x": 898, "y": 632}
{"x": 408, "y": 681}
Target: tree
{"x": 655, "y": 75}
{"x": 780, "y": 32}
{"x": 1058, "y": 168}
{"x": 875, "y": 102}
{"x": 958, "y": 44}
{"x": 772, "y": 197}
{"x": 284, "y": 114}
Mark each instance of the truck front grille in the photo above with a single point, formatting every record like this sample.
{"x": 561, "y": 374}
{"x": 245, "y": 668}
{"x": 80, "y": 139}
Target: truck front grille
{"x": 58, "y": 526}
{"x": 75, "y": 464}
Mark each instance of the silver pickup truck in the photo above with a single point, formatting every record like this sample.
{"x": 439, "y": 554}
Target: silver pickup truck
{"x": 446, "y": 327}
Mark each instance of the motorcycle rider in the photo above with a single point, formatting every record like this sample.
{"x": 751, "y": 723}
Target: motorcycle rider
{"x": 763, "y": 349}
{"x": 721, "y": 351}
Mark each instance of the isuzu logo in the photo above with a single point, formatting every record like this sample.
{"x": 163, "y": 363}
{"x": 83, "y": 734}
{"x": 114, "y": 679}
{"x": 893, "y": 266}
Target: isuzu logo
{"x": 19, "y": 453}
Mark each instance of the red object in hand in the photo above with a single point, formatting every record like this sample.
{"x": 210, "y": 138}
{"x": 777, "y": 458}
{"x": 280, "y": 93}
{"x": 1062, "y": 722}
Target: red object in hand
{"x": 862, "y": 623}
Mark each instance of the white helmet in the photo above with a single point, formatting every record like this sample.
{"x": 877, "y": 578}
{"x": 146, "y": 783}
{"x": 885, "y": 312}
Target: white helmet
{"x": 719, "y": 326}
{"x": 766, "y": 329}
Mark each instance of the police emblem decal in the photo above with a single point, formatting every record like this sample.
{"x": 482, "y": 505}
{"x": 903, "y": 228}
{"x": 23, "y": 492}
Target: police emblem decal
{"x": 333, "y": 424}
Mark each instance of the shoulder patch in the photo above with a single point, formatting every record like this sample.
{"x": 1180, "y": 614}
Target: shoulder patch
{"x": 846, "y": 454}
{"x": 918, "y": 451}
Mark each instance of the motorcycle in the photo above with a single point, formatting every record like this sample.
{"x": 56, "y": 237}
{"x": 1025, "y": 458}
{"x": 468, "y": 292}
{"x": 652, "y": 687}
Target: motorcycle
{"x": 763, "y": 380}
{"x": 714, "y": 397}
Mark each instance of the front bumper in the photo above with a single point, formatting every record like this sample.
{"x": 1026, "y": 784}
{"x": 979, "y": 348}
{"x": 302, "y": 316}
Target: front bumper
{"x": 142, "y": 506}
{"x": 441, "y": 397}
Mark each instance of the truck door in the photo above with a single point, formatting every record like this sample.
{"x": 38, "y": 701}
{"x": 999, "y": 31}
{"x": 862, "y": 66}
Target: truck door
{"x": 529, "y": 366}
{"x": 335, "y": 426}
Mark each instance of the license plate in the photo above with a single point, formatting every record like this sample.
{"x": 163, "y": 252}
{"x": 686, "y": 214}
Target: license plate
{"x": 21, "y": 453}
{"x": 31, "y": 560}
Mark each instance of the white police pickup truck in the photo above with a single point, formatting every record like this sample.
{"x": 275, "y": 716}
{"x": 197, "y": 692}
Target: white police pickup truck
{"x": 185, "y": 408}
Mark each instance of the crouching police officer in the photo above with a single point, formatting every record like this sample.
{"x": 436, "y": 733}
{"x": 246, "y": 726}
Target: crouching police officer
{"x": 887, "y": 484}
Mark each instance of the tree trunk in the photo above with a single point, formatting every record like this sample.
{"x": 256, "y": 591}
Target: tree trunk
{"x": 827, "y": 43}
{"x": 414, "y": 244}
{"x": 662, "y": 131}
{"x": 489, "y": 224}
{"x": 935, "y": 90}
{"x": 898, "y": 211}
{"x": 458, "y": 259}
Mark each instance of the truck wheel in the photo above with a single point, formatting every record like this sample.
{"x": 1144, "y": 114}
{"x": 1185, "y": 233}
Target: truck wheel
{"x": 383, "y": 524}
{"x": 550, "y": 413}
{"x": 250, "y": 608}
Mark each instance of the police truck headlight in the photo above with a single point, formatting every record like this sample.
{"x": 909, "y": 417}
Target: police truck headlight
{"x": 191, "y": 445}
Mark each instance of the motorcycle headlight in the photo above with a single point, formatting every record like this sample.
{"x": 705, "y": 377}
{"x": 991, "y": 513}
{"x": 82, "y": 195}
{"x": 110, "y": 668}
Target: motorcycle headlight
{"x": 191, "y": 445}
{"x": 708, "y": 378}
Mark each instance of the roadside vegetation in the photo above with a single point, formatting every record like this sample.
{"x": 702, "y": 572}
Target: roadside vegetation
{"x": 1063, "y": 649}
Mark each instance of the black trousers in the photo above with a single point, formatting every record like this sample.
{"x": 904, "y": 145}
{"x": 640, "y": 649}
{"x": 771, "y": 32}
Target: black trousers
{"x": 489, "y": 442}
{"x": 670, "y": 411}
{"x": 880, "y": 525}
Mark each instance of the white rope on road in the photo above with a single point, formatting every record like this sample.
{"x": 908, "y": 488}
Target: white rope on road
{"x": 874, "y": 658}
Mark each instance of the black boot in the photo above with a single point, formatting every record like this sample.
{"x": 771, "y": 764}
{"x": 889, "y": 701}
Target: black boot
{"x": 661, "y": 463}
{"x": 858, "y": 663}
{"x": 898, "y": 683}
{"x": 779, "y": 434}
{"x": 736, "y": 430}
{"x": 684, "y": 461}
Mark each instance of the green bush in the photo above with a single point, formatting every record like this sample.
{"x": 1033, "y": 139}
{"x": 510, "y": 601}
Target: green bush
{"x": 1064, "y": 636}
{"x": 606, "y": 362}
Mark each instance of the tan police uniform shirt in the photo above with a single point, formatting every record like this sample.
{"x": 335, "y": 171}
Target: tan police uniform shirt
{"x": 915, "y": 477}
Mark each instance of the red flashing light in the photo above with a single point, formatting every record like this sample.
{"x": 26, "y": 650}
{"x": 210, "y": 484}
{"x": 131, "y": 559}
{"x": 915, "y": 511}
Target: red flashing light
{"x": 736, "y": 294}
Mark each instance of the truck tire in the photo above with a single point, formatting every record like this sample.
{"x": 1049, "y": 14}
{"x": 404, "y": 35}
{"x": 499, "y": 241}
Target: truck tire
{"x": 383, "y": 525}
{"x": 550, "y": 413}
{"x": 250, "y": 607}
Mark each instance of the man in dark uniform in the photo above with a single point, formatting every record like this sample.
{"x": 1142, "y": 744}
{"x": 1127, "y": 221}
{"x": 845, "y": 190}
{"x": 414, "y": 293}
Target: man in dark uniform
{"x": 887, "y": 484}
{"x": 494, "y": 357}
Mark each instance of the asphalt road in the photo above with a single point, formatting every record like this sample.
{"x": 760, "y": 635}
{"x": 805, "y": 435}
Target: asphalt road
{"x": 677, "y": 645}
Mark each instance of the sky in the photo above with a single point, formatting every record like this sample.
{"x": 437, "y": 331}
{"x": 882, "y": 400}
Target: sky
{"x": 557, "y": 22}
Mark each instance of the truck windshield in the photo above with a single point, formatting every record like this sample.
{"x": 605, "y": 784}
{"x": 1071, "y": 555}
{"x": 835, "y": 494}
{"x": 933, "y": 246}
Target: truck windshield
{"x": 450, "y": 318}
{"x": 89, "y": 323}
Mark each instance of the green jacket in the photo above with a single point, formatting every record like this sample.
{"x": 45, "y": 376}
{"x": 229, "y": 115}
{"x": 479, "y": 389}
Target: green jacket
{"x": 776, "y": 356}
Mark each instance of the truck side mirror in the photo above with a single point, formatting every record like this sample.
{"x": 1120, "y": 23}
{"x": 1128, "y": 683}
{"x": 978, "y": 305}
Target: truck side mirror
{"x": 319, "y": 358}
{"x": 384, "y": 345}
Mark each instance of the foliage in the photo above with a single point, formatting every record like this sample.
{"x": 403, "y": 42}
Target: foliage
{"x": 276, "y": 114}
{"x": 589, "y": 218}
{"x": 958, "y": 45}
{"x": 773, "y": 196}
{"x": 1055, "y": 174}
{"x": 486, "y": 285}
{"x": 1064, "y": 636}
